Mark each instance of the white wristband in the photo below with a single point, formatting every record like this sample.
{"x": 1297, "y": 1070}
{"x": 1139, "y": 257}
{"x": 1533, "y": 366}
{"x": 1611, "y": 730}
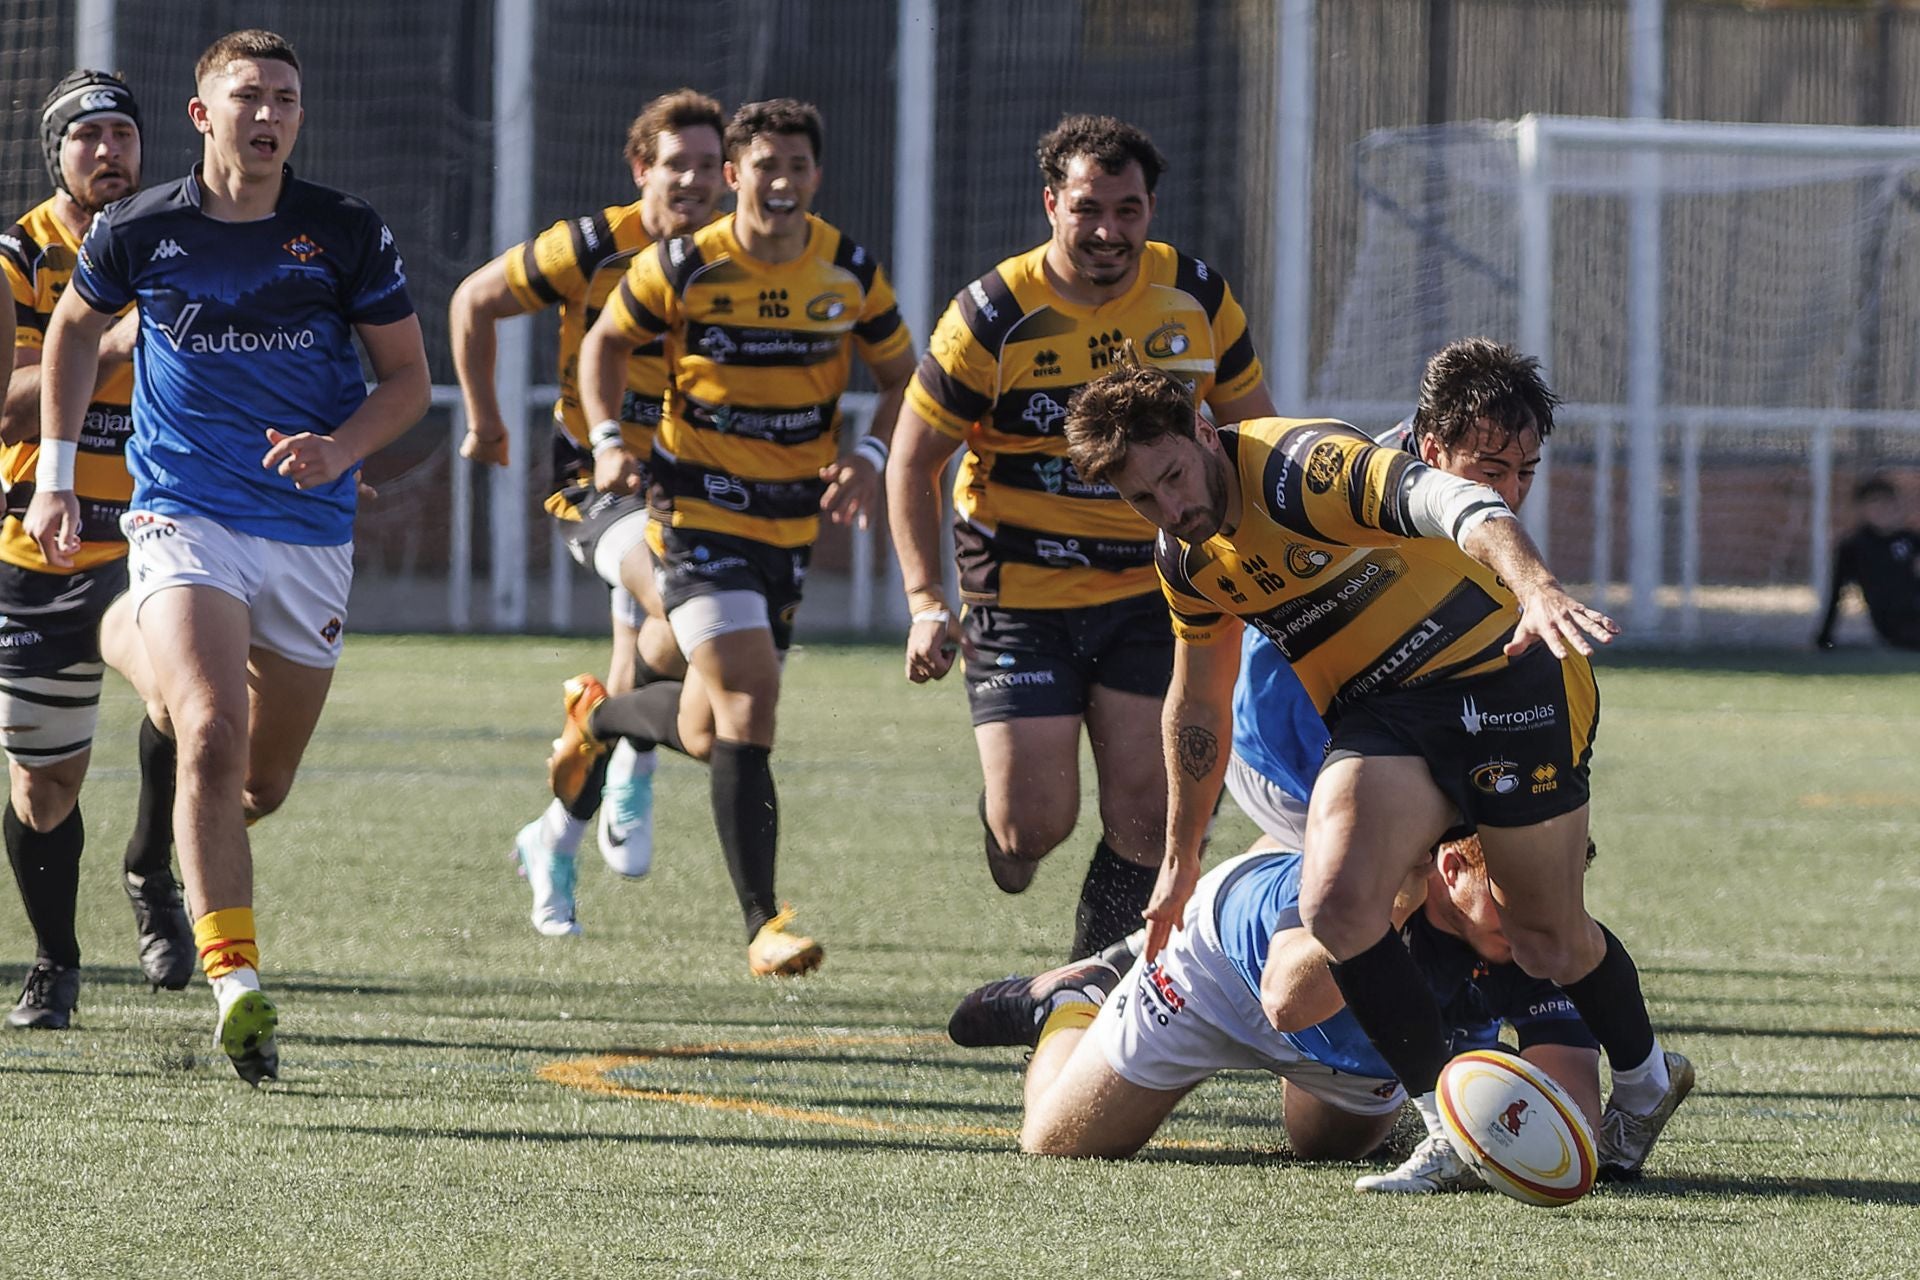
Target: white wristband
{"x": 875, "y": 450}
{"x": 54, "y": 470}
{"x": 940, "y": 616}
{"x": 605, "y": 437}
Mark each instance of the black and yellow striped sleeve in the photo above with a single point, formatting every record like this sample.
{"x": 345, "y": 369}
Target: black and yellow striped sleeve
{"x": 953, "y": 387}
{"x": 1196, "y": 619}
{"x": 17, "y": 255}
{"x": 647, "y": 300}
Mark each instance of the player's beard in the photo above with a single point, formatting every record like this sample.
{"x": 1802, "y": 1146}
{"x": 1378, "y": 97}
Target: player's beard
{"x": 1101, "y": 270}
{"x": 1208, "y": 521}
{"x": 92, "y": 199}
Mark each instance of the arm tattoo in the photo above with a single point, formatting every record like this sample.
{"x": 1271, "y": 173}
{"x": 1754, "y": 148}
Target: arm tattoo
{"x": 1199, "y": 751}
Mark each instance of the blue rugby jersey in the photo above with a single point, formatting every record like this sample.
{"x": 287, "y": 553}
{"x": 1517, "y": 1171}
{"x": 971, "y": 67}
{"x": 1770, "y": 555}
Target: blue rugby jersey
{"x": 1262, "y": 897}
{"x": 243, "y": 326}
{"x": 1276, "y": 729}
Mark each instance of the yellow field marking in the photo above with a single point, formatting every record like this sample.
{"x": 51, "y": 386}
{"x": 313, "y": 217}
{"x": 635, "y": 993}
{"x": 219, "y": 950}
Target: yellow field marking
{"x": 592, "y": 1073}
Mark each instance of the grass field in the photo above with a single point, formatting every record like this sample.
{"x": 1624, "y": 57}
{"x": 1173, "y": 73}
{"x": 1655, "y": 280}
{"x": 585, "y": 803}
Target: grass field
{"x": 464, "y": 1098}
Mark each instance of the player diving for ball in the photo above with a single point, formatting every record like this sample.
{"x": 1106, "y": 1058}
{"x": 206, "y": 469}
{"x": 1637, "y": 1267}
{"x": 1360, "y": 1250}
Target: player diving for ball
{"x": 1119, "y": 1040}
{"x": 1392, "y": 588}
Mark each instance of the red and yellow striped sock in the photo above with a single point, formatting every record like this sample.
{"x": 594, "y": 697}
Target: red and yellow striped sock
{"x": 1075, "y": 1015}
{"x": 225, "y": 940}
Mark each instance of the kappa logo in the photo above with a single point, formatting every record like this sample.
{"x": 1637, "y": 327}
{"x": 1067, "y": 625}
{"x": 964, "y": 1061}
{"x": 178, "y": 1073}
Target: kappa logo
{"x": 1044, "y": 412}
{"x": 1323, "y": 467}
{"x": 167, "y": 249}
{"x": 303, "y": 249}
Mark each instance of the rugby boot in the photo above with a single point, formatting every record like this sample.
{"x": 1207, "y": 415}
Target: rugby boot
{"x": 552, "y": 876}
{"x": 575, "y": 750}
{"x": 1626, "y": 1138}
{"x": 1434, "y": 1167}
{"x": 1010, "y": 874}
{"x": 1013, "y": 1010}
{"x": 626, "y": 812}
{"x": 247, "y": 1022}
{"x": 166, "y": 938}
{"x": 48, "y": 999}
{"x": 776, "y": 953}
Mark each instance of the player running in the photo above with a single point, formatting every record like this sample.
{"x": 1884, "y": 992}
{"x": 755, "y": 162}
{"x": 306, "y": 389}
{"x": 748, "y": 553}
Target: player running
{"x": 674, "y": 151}
{"x": 1446, "y": 712}
{"x": 1063, "y": 627}
{"x": 251, "y": 420}
{"x": 1119, "y": 1040}
{"x": 761, "y": 313}
{"x": 55, "y": 624}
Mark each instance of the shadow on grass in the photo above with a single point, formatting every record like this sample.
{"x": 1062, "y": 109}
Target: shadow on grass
{"x": 1790, "y": 1033}
{"x": 1855, "y": 1190}
{"x": 410, "y": 1133}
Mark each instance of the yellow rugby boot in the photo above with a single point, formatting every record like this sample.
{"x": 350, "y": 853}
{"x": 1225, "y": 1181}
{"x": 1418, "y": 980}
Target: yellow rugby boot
{"x": 575, "y": 750}
{"x": 776, "y": 953}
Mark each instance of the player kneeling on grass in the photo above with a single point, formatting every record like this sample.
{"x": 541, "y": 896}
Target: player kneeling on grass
{"x": 1243, "y": 986}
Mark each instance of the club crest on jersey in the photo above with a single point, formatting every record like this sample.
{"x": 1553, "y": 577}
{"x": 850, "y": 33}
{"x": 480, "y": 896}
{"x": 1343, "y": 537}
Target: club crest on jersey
{"x": 1168, "y": 341}
{"x": 1497, "y": 778}
{"x": 1306, "y": 561}
{"x": 303, "y": 249}
{"x": 1323, "y": 467}
{"x": 828, "y": 306}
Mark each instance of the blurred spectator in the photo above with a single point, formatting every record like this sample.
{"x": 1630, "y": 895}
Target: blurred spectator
{"x": 1879, "y": 556}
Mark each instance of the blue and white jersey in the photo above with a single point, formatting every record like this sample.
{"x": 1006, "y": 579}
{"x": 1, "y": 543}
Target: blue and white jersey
{"x": 1262, "y": 898}
{"x": 1275, "y": 727}
{"x": 243, "y": 326}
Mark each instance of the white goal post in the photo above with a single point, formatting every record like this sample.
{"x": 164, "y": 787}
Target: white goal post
{"x": 1671, "y": 262}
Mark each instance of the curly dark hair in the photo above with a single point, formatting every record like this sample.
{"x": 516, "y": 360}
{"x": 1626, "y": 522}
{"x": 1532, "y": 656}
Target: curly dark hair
{"x": 1477, "y": 378}
{"x": 1112, "y": 144}
{"x": 1128, "y": 405}
{"x": 674, "y": 112}
{"x": 774, "y": 116}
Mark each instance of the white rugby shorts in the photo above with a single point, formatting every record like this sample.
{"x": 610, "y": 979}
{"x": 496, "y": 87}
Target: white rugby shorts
{"x": 1176, "y": 1022}
{"x": 297, "y": 595}
{"x": 1276, "y": 813}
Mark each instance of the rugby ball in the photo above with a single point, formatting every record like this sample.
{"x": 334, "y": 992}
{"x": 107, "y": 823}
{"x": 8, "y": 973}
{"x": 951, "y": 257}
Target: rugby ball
{"x": 1520, "y": 1129}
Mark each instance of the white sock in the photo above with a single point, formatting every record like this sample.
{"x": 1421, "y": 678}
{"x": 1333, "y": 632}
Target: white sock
{"x": 1429, "y": 1108}
{"x": 1639, "y": 1089}
{"x": 561, "y": 830}
{"x": 626, "y": 762}
{"x": 229, "y": 985}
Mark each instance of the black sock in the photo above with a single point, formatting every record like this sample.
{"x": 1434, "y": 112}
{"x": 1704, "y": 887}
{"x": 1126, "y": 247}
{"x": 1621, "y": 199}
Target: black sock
{"x": 46, "y": 864}
{"x": 1609, "y": 1000}
{"x": 587, "y": 803}
{"x": 150, "y": 847}
{"x": 747, "y": 816}
{"x": 1395, "y": 1007}
{"x": 648, "y": 717}
{"x": 1112, "y": 897}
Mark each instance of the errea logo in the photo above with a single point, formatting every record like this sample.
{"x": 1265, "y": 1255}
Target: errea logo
{"x": 167, "y": 249}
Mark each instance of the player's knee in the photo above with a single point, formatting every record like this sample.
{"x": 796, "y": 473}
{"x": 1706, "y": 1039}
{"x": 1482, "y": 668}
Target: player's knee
{"x": 1031, "y": 837}
{"x": 1556, "y": 955}
{"x": 43, "y": 802}
{"x": 260, "y": 798}
{"x": 212, "y": 743}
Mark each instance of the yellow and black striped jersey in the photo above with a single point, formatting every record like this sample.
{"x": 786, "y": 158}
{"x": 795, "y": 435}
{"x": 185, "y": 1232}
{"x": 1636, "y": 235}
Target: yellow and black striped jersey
{"x": 37, "y": 256}
{"x": 575, "y": 264}
{"x": 758, "y": 355}
{"x": 1029, "y": 533}
{"x": 1327, "y": 564}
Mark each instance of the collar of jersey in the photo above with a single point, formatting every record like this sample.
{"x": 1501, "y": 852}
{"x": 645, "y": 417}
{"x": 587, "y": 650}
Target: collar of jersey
{"x": 739, "y": 253}
{"x": 191, "y": 189}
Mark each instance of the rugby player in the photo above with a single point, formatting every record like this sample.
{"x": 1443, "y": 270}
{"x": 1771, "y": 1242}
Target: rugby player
{"x": 673, "y": 150}
{"x": 1062, "y": 627}
{"x": 1245, "y": 987}
{"x": 1448, "y": 712}
{"x": 1883, "y": 559}
{"x": 761, "y": 312}
{"x": 251, "y": 420}
{"x": 55, "y": 623}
